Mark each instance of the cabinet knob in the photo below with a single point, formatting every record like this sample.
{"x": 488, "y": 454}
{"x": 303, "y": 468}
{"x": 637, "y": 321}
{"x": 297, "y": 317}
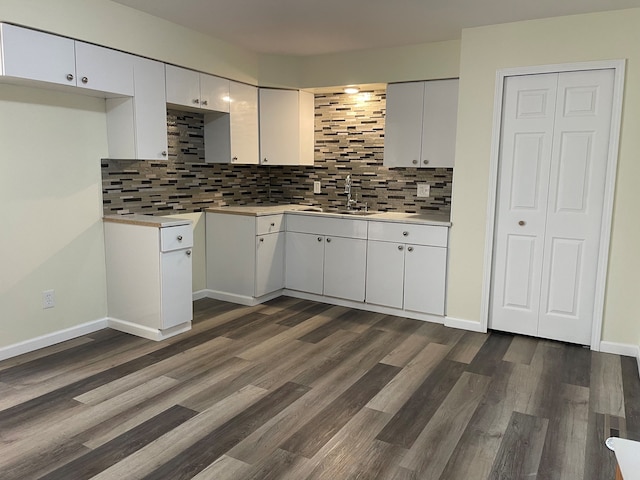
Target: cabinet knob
{"x": 164, "y": 153}
{"x": 522, "y": 223}
{"x": 328, "y": 240}
{"x": 265, "y": 160}
{"x": 179, "y": 238}
{"x": 410, "y": 249}
{"x": 400, "y": 247}
{"x": 426, "y": 162}
{"x": 188, "y": 252}
{"x": 415, "y": 162}
{"x": 261, "y": 240}
{"x": 234, "y": 159}
{"x": 319, "y": 239}
{"x": 69, "y": 77}
{"x": 196, "y": 101}
{"x": 273, "y": 224}
{"x": 85, "y": 80}
{"x": 205, "y": 102}
{"x": 405, "y": 234}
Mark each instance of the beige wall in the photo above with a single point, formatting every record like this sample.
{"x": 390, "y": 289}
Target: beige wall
{"x": 50, "y": 192}
{"x": 612, "y": 35}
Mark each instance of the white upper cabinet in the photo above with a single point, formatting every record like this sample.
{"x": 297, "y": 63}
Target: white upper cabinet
{"x": 191, "y": 89}
{"x": 33, "y": 55}
{"x": 37, "y": 56}
{"x": 420, "y": 125}
{"x": 243, "y": 117}
{"x": 286, "y": 127}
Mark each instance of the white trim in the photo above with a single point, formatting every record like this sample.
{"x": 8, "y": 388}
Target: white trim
{"x": 147, "y": 332}
{"x": 51, "y": 338}
{"x": 612, "y": 162}
{"x": 199, "y": 295}
{"x": 625, "y": 349}
{"x": 240, "y": 299}
{"x": 464, "y": 324}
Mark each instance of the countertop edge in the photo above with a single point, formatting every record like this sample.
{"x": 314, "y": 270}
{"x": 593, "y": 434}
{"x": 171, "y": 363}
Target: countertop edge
{"x": 146, "y": 220}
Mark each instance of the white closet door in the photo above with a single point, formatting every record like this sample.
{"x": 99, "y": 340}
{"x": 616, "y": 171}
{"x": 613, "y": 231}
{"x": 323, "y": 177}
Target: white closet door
{"x": 527, "y": 142}
{"x": 574, "y": 211}
{"x": 553, "y": 159}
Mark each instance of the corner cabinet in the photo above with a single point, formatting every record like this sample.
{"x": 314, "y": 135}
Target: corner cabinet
{"x": 420, "y": 124}
{"x": 245, "y": 256}
{"x": 326, "y": 256}
{"x": 233, "y": 137}
{"x": 286, "y": 127}
{"x": 407, "y": 266}
{"x": 149, "y": 289}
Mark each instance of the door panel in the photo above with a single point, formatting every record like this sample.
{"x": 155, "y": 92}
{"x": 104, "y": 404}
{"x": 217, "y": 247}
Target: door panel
{"x": 573, "y": 177}
{"x": 564, "y": 284}
{"x": 525, "y": 178}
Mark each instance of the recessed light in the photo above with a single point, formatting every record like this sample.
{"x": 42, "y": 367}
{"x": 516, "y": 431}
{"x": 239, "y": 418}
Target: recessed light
{"x": 351, "y": 90}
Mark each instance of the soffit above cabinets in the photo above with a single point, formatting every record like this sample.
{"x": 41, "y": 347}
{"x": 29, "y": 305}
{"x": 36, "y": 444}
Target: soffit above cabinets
{"x": 305, "y": 27}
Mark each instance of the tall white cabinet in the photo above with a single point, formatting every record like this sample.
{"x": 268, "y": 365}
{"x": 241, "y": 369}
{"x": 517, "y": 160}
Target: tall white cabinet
{"x": 420, "y": 124}
{"x": 149, "y": 286}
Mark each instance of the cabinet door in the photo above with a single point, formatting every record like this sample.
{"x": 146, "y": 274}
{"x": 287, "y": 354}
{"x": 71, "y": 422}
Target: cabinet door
{"x": 403, "y": 124}
{"x": 385, "y": 273}
{"x": 214, "y": 93}
{"x": 425, "y": 279}
{"x": 279, "y": 127}
{"x": 345, "y": 264}
{"x": 177, "y": 302}
{"x": 307, "y": 128}
{"x": 304, "y": 262}
{"x": 150, "y": 110}
{"x": 439, "y": 123}
{"x": 38, "y": 56}
{"x": 269, "y": 263}
{"x": 183, "y": 86}
{"x": 243, "y": 123}
{"x": 103, "y": 69}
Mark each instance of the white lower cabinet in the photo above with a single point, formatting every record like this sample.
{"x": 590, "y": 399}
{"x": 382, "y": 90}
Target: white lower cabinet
{"x": 149, "y": 288}
{"x": 245, "y": 255}
{"x": 410, "y": 276}
{"x": 326, "y": 256}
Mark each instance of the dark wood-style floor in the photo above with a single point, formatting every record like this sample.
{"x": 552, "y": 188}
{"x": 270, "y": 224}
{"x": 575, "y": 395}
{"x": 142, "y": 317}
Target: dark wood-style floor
{"x": 294, "y": 389}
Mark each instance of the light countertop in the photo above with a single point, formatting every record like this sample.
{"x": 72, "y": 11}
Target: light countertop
{"x": 147, "y": 220}
{"x": 258, "y": 210}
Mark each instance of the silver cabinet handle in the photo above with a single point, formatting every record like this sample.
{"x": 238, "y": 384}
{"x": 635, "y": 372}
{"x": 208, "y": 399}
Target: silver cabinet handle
{"x": 415, "y": 162}
{"x": 265, "y": 161}
{"x": 205, "y": 102}
{"x": 328, "y": 240}
{"x": 179, "y": 238}
{"x": 196, "y": 101}
{"x": 405, "y": 234}
{"x": 69, "y": 76}
{"x": 319, "y": 239}
{"x": 400, "y": 247}
{"x": 188, "y": 252}
{"x": 410, "y": 249}
{"x": 426, "y": 162}
{"x": 85, "y": 80}
{"x": 164, "y": 153}
{"x": 522, "y": 223}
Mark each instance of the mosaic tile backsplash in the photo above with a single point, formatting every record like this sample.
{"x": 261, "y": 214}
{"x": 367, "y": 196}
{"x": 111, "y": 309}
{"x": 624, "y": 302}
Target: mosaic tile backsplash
{"x": 349, "y": 139}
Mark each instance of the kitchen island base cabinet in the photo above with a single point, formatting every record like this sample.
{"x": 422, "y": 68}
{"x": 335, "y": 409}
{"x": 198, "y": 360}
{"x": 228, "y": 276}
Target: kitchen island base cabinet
{"x": 149, "y": 286}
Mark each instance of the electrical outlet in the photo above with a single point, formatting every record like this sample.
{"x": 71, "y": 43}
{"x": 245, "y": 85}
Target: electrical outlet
{"x": 423, "y": 190}
{"x": 316, "y": 187}
{"x": 48, "y": 299}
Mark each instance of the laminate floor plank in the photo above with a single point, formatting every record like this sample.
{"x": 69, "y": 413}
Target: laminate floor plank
{"x": 631, "y": 392}
{"x": 294, "y": 389}
{"x": 521, "y": 448}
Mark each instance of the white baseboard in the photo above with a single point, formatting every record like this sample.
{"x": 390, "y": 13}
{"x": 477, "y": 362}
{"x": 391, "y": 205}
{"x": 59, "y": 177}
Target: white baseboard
{"x": 240, "y": 299}
{"x": 464, "y": 324}
{"x": 147, "y": 332}
{"x": 52, "y": 338}
{"x": 625, "y": 349}
{"x": 200, "y": 294}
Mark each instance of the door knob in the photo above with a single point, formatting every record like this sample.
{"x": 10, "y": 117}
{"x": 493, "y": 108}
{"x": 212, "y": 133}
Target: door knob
{"x": 522, "y": 223}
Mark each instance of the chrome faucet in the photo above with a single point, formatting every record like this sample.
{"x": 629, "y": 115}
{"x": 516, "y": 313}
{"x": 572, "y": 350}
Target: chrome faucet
{"x": 347, "y": 190}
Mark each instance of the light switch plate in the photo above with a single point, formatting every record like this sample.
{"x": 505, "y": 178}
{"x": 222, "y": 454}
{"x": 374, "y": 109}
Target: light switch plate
{"x": 424, "y": 189}
{"x": 316, "y": 187}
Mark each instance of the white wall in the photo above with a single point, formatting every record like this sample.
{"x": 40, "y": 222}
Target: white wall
{"x": 50, "y": 192}
{"x": 611, "y": 35}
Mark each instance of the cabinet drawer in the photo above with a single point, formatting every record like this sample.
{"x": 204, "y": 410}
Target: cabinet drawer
{"x": 319, "y": 225}
{"x": 409, "y": 233}
{"x": 269, "y": 224}
{"x": 175, "y": 238}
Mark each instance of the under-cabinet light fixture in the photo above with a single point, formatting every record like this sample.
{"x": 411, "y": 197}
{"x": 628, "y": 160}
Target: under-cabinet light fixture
{"x": 351, "y": 90}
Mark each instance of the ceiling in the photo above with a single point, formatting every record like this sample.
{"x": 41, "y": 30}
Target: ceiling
{"x": 309, "y": 27}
